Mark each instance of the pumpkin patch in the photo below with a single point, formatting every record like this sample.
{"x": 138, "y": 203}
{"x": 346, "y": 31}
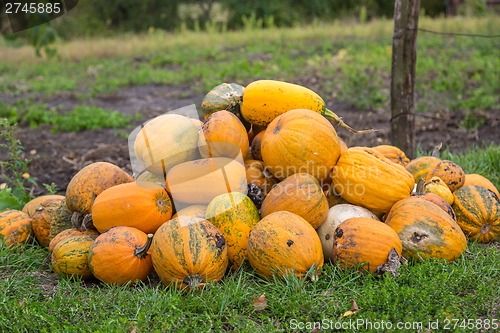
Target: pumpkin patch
{"x": 262, "y": 183}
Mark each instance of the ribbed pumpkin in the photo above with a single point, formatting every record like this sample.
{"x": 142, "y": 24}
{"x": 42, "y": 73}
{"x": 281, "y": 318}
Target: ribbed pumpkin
{"x": 478, "y": 212}
{"x": 476, "y": 179}
{"x": 198, "y": 211}
{"x": 50, "y": 218}
{"x": 426, "y": 230}
{"x": 364, "y": 243}
{"x": 88, "y": 183}
{"x": 369, "y": 181}
{"x": 223, "y": 135}
{"x": 451, "y": 173}
{"x": 256, "y": 146}
{"x": 165, "y": 141}
{"x": 283, "y": 243}
{"x": 258, "y": 175}
{"x": 121, "y": 255}
{"x": 393, "y": 153}
{"x": 33, "y": 204}
{"x": 189, "y": 252}
{"x": 15, "y": 227}
{"x": 300, "y": 194}
{"x": 437, "y": 186}
{"x": 199, "y": 181}
{"x": 300, "y": 141}
{"x": 234, "y": 214}
{"x": 142, "y": 205}
{"x": 336, "y": 215}
{"x": 420, "y": 166}
{"x": 70, "y": 257}
{"x": 70, "y": 233}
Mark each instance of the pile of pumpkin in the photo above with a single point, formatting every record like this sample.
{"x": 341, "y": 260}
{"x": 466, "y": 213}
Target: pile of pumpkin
{"x": 266, "y": 180}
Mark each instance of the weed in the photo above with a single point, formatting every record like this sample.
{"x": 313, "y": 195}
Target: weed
{"x": 18, "y": 184}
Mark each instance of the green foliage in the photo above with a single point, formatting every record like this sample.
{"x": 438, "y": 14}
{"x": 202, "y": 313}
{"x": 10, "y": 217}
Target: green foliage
{"x": 80, "y": 118}
{"x": 17, "y": 183}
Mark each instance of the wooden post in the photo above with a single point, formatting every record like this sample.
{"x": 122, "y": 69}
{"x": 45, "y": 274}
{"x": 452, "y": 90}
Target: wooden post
{"x": 404, "y": 58}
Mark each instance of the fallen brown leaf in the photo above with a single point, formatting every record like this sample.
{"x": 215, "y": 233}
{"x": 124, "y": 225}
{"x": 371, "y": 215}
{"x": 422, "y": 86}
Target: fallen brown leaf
{"x": 260, "y": 303}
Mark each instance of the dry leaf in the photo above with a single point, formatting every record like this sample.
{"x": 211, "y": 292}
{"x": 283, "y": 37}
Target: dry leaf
{"x": 354, "y": 306}
{"x": 354, "y": 309}
{"x": 348, "y": 313}
{"x": 260, "y": 303}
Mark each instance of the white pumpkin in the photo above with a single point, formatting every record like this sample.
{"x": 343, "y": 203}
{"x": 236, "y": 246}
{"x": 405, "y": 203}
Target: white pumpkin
{"x": 336, "y": 215}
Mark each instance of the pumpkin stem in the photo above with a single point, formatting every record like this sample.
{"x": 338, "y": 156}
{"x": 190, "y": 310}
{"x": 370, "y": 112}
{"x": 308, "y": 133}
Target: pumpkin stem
{"x": 142, "y": 251}
{"x": 76, "y": 220}
{"x": 193, "y": 281}
{"x": 436, "y": 150}
{"x": 419, "y": 190}
{"x": 331, "y": 115}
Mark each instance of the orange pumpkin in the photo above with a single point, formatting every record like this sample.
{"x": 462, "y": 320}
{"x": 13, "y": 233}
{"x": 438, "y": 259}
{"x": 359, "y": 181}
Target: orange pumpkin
{"x": 258, "y": 175}
{"x": 197, "y": 211}
{"x": 426, "y": 230}
{"x": 364, "y": 243}
{"x": 343, "y": 146}
{"x": 440, "y": 202}
{"x": 70, "y": 257}
{"x": 121, "y": 255}
{"x": 142, "y": 205}
{"x": 476, "y": 179}
{"x": 451, "y": 173}
{"x": 50, "y": 218}
{"x": 89, "y": 182}
{"x": 33, "y": 204}
{"x": 300, "y": 141}
{"x": 15, "y": 227}
{"x": 301, "y": 194}
{"x": 234, "y": 214}
{"x": 70, "y": 233}
{"x": 284, "y": 243}
{"x": 256, "y": 145}
{"x": 371, "y": 181}
{"x": 420, "y": 166}
{"x": 188, "y": 252}
{"x": 478, "y": 212}
{"x": 199, "y": 181}
{"x": 223, "y": 135}
{"x": 393, "y": 153}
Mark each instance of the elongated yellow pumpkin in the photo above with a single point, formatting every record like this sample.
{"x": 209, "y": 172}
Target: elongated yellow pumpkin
{"x": 264, "y": 100}
{"x": 369, "y": 181}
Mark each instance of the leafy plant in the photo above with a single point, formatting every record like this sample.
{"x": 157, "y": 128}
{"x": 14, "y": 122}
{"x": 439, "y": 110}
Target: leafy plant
{"x": 18, "y": 183}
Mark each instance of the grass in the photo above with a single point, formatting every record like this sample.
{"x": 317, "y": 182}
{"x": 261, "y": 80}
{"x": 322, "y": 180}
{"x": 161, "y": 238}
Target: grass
{"x": 427, "y": 293}
{"x": 81, "y": 117}
{"x": 350, "y": 61}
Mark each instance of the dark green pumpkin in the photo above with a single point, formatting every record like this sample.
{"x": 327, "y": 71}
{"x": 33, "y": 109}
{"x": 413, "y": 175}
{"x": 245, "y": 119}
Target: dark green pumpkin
{"x": 226, "y": 96}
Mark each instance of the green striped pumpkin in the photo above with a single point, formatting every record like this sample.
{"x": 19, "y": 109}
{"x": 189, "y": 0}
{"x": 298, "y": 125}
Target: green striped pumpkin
{"x": 234, "y": 214}
{"x": 15, "y": 227}
{"x": 70, "y": 256}
{"x": 188, "y": 252}
{"x": 478, "y": 212}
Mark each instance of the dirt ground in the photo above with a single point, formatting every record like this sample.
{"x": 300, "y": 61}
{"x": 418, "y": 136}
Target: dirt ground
{"x": 56, "y": 157}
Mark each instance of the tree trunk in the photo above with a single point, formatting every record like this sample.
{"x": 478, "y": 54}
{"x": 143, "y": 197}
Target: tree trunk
{"x": 404, "y": 58}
